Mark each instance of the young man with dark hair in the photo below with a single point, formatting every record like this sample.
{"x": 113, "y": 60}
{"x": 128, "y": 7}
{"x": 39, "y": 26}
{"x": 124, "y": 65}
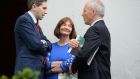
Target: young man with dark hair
{"x": 31, "y": 44}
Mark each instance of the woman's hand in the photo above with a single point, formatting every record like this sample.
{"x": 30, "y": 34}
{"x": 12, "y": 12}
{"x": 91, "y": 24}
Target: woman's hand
{"x": 55, "y": 66}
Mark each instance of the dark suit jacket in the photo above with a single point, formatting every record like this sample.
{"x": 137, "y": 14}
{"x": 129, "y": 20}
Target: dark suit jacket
{"x": 96, "y": 36}
{"x": 29, "y": 48}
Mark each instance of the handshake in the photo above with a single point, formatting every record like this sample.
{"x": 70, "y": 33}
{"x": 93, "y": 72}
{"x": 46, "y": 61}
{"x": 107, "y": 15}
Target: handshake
{"x": 47, "y": 44}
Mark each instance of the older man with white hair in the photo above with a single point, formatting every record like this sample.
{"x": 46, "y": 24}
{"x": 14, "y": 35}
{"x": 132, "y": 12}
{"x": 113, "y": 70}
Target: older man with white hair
{"x": 96, "y": 37}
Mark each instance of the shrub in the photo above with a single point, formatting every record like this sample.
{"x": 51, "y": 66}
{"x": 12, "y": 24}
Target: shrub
{"x": 27, "y": 73}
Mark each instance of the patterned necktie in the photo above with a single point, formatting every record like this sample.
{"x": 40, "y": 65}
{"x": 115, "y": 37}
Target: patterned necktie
{"x": 37, "y": 26}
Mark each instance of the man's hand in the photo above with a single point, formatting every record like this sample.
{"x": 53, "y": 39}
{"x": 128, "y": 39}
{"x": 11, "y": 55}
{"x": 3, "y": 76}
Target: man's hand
{"x": 47, "y": 44}
{"x": 73, "y": 43}
{"x": 44, "y": 43}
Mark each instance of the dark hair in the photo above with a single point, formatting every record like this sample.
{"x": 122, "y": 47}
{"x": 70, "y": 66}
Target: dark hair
{"x": 36, "y": 2}
{"x": 63, "y": 21}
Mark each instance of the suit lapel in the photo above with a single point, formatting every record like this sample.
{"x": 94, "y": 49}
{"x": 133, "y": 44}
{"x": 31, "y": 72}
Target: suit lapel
{"x": 32, "y": 21}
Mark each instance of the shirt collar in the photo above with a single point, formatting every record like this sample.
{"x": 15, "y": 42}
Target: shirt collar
{"x": 95, "y": 21}
{"x": 33, "y": 17}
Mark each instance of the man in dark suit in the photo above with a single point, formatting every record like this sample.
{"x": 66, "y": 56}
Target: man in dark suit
{"x": 96, "y": 36}
{"x": 31, "y": 44}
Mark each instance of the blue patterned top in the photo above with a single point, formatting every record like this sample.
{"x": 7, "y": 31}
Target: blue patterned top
{"x": 59, "y": 53}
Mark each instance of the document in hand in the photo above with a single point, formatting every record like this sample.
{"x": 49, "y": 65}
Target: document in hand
{"x": 91, "y": 57}
{"x": 76, "y": 51}
{"x": 81, "y": 41}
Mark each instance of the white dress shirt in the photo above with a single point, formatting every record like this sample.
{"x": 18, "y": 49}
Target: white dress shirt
{"x": 33, "y": 17}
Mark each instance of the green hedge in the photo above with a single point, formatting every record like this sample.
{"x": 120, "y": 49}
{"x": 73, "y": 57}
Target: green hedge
{"x": 27, "y": 73}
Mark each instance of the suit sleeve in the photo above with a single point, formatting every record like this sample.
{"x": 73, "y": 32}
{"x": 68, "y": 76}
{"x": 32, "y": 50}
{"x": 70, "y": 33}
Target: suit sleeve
{"x": 49, "y": 44}
{"x": 42, "y": 35}
{"x": 30, "y": 36}
{"x": 92, "y": 42}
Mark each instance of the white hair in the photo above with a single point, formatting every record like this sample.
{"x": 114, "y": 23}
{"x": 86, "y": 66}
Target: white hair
{"x": 98, "y": 6}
